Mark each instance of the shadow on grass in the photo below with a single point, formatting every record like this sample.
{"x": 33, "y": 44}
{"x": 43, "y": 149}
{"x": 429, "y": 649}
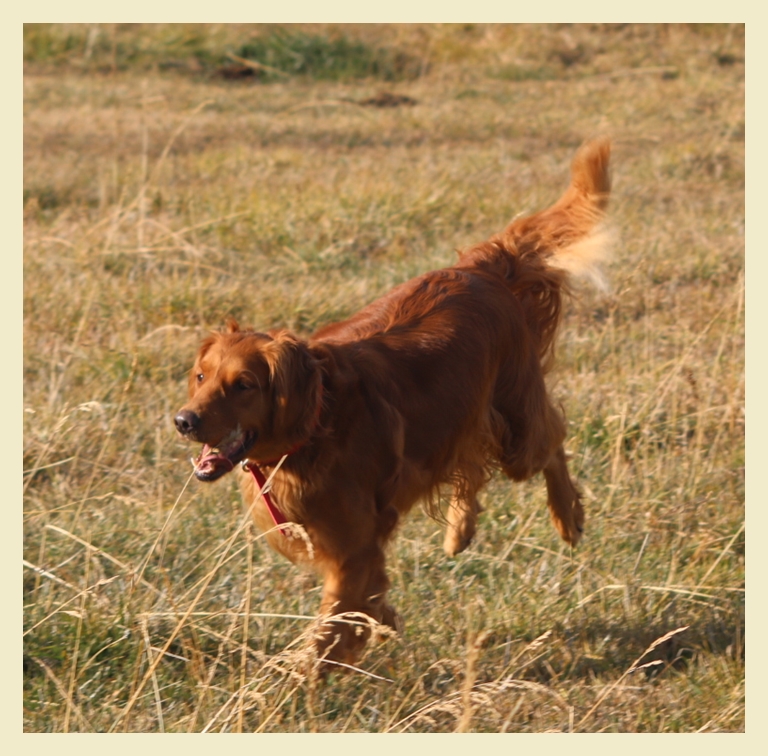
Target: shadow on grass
{"x": 617, "y": 648}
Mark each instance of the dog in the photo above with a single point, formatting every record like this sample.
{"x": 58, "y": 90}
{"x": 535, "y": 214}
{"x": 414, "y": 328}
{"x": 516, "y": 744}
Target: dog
{"x": 432, "y": 386}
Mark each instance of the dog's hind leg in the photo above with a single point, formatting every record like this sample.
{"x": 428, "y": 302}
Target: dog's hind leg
{"x": 533, "y": 442}
{"x": 563, "y": 499}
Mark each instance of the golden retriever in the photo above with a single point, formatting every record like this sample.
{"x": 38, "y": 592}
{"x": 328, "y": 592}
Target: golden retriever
{"x": 435, "y": 384}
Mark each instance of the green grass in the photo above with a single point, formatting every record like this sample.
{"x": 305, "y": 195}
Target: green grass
{"x": 280, "y": 51}
{"x": 324, "y": 58}
{"x": 159, "y": 200}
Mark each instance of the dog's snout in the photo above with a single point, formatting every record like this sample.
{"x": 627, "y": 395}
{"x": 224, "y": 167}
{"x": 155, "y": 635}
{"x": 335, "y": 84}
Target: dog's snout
{"x": 186, "y": 421}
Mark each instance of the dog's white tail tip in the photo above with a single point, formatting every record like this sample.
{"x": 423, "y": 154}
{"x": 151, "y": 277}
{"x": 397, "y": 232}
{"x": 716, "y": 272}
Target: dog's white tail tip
{"x": 585, "y": 259}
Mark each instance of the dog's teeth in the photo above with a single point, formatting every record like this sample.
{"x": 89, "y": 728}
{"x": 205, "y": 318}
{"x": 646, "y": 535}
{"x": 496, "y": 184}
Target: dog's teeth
{"x": 215, "y": 451}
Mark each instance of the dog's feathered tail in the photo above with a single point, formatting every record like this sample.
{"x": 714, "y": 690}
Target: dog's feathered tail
{"x": 537, "y": 254}
{"x": 569, "y": 234}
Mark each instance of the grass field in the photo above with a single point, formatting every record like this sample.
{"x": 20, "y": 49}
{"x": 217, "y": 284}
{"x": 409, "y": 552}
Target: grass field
{"x": 168, "y": 185}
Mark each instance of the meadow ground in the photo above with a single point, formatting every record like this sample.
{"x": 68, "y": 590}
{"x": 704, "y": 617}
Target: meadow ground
{"x": 168, "y": 185}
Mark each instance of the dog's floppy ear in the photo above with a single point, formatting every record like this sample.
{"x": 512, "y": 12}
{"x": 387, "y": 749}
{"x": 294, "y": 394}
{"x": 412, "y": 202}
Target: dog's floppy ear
{"x": 294, "y": 377}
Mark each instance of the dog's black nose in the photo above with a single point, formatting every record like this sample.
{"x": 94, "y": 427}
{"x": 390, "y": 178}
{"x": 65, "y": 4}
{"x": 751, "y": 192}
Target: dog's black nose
{"x": 186, "y": 421}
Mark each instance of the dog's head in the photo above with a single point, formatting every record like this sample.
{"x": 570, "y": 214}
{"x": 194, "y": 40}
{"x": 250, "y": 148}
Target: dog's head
{"x": 251, "y": 395}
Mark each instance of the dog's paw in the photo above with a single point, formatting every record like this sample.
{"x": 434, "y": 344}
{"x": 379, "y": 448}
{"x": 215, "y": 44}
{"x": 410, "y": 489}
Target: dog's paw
{"x": 571, "y": 530}
{"x": 457, "y": 539}
{"x": 390, "y": 618}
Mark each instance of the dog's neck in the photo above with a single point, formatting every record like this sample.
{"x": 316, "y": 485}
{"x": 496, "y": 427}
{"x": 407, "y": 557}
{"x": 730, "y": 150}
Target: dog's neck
{"x": 299, "y": 444}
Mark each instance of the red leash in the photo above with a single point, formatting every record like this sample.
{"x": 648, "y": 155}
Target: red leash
{"x": 277, "y": 516}
{"x": 253, "y": 468}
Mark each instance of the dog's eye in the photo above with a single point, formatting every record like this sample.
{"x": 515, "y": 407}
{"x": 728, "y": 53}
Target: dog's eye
{"x": 199, "y": 377}
{"x": 241, "y": 385}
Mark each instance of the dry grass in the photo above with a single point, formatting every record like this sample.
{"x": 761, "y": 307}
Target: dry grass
{"x": 160, "y": 199}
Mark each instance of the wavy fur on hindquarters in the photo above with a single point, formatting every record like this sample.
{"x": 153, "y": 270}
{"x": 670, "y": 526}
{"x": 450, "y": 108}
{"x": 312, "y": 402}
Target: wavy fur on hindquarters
{"x": 537, "y": 255}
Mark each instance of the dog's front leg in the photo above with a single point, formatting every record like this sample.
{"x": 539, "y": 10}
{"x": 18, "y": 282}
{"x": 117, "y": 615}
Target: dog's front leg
{"x": 462, "y": 522}
{"x": 353, "y": 587}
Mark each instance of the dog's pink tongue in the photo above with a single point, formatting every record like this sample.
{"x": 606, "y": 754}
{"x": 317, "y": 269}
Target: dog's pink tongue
{"x": 209, "y": 463}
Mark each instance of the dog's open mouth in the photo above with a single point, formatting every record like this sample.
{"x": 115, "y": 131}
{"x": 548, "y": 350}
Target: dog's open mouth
{"x": 213, "y": 462}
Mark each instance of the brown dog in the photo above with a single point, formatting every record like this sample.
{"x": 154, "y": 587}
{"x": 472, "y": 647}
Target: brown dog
{"x": 438, "y": 382}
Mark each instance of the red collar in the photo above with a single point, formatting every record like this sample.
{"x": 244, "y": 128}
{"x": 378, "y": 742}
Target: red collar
{"x": 277, "y": 516}
{"x": 254, "y": 468}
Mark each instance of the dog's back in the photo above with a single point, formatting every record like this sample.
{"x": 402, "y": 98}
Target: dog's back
{"x": 535, "y": 257}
